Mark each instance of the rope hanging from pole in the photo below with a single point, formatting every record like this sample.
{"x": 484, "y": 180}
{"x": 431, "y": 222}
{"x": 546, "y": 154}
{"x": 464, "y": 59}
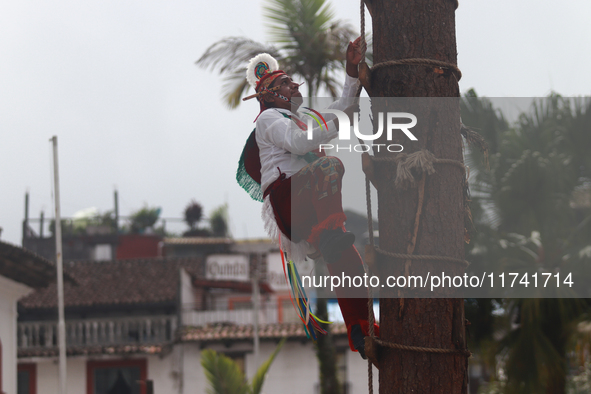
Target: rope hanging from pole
{"x": 371, "y": 316}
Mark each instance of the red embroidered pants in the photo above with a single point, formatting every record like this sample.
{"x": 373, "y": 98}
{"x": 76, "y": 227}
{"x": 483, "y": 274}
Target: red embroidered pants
{"x": 308, "y": 203}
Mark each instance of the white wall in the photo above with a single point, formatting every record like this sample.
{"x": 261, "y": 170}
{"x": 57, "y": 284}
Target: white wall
{"x": 10, "y": 292}
{"x": 165, "y": 372}
{"x": 187, "y": 297}
{"x": 294, "y": 371}
{"x": 48, "y": 375}
{"x": 357, "y": 374}
{"x": 194, "y": 378}
{"x": 162, "y": 370}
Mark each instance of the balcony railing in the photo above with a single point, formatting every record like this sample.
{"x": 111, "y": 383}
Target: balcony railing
{"x": 139, "y": 330}
{"x": 99, "y": 332}
{"x": 267, "y": 315}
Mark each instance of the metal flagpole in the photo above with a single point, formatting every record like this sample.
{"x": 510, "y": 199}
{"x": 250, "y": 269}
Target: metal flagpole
{"x": 61, "y": 325}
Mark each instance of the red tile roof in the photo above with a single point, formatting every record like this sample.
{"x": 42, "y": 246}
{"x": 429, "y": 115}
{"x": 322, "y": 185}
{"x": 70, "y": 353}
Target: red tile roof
{"x": 213, "y": 332}
{"x": 120, "y": 282}
{"x": 245, "y": 287}
{"x": 26, "y": 267}
{"x": 198, "y": 241}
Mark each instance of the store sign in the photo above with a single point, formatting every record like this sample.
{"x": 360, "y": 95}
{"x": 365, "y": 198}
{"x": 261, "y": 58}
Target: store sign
{"x": 275, "y": 274}
{"x": 227, "y": 267}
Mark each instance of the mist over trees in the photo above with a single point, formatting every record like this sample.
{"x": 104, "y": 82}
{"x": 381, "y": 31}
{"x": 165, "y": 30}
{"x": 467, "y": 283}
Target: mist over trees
{"x": 531, "y": 211}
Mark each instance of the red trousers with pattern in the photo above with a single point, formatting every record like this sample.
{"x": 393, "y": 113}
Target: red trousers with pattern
{"x": 308, "y": 203}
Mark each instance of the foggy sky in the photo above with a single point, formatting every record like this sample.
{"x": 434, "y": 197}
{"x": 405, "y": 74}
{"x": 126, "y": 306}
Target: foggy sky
{"x": 117, "y": 83}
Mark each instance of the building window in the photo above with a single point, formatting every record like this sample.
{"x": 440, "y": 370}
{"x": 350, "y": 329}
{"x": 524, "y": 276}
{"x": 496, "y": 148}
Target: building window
{"x": 243, "y": 302}
{"x": 116, "y": 377}
{"x": 27, "y": 379}
{"x": 102, "y": 252}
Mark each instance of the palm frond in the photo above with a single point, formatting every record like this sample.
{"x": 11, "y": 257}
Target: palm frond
{"x": 223, "y": 374}
{"x": 296, "y": 21}
{"x": 312, "y": 40}
{"x": 259, "y": 377}
{"x": 532, "y": 360}
{"x": 230, "y": 56}
{"x": 311, "y": 44}
{"x": 232, "y": 52}
{"x": 234, "y": 88}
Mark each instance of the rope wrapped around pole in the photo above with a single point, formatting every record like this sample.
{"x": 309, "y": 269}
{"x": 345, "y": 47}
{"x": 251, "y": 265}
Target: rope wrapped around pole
{"x": 422, "y": 161}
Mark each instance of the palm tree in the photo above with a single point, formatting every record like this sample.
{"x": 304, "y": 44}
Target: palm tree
{"x": 144, "y": 219}
{"x": 226, "y": 377}
{"x": 218, "y": 221}
{"x": 527, "y": 220}
{"x": 306, "y": 40}
{"x": 193, "y": 214}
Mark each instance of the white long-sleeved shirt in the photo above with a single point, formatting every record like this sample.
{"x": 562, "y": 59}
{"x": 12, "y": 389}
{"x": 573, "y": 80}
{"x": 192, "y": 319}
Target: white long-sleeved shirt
{"x": 280, "y": 141}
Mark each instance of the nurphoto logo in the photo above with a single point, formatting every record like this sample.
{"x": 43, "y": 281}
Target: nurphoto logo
{"x": 390, "y": 119}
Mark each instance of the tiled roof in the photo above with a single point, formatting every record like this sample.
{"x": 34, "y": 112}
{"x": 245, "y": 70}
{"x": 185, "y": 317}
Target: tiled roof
{"x": 249, "y": 241}
{"x": 117, "y": 283}
{"x": 92, "y": 350}
{"x": 245, "y": 287}
{"x": 216, "y": 332}
{"x": 198, "y": 241}
{"x": 256, "y": 245}
{"x": 26, "y": 267}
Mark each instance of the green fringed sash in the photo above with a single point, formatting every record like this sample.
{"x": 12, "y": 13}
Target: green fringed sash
{"x": 248, "y": 174}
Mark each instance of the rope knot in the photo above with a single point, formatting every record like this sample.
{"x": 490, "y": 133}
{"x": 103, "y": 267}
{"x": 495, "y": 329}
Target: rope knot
{"x": 410, "y": 164}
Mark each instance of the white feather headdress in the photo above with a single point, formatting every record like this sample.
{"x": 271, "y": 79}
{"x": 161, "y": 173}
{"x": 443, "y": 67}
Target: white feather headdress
{"x": 258, "y": 66}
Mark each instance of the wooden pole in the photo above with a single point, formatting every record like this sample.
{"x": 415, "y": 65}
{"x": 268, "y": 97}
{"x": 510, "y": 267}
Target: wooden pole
{"x": 116, "y": 209}
{"x": 26, "y": 221}
{"x": 41, "y": 224}
{"x": 421, "y": 29}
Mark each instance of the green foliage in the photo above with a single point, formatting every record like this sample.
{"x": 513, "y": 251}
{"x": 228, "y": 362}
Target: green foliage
{"x": 226, "y": 377}
{"x": 108, "y": 219}
{"x": 67, "y": 227}
{"x": 143, "y": 219}
{"x": 101, "y": 223}
{"x": 259, "y": 377}
{"x": 492, "y": 388}
{"x": 312, "y": 41}
{"x": 530, "y": 213}
{"x": 223, "y": 374}
{"x": 218, "y": 221}
{"x": 193, "y": 214}
{"x": 306, "y": 41}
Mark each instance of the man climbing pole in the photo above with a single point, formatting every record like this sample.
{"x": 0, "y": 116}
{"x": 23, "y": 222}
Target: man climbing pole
{"x": 300, "y": 186}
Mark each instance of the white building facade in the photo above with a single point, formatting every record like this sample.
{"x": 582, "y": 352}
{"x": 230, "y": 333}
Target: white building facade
{"x": 20, "y": 273}
{"x": 143, "y": 324}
